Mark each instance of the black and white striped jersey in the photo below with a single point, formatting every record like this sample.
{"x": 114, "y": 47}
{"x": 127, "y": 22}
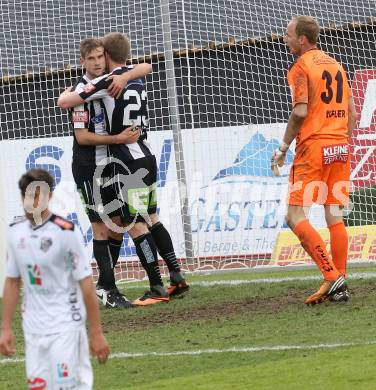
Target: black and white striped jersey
{"x": 130, "y": 108}
{"x": 91, "y": 116}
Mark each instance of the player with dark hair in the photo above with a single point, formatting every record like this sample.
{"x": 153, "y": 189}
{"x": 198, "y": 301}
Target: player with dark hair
{"x": 322, "y": 120}
{"x": 138, "y": 193}
{"x": 47, "y": 254}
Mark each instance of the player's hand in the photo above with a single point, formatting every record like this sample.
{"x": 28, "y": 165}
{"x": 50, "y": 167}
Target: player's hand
{"x": 279, "y": 157}
{"x": 130, "y": 135}
{"x": 99, "y": 347}
{"x": 278, "y": 160}
{"x": 7, "y": 343}
{"x": 118, "y": 84}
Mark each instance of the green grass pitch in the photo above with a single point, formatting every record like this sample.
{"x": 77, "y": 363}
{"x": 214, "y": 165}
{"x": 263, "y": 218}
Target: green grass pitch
{"x": 261, "y": 336}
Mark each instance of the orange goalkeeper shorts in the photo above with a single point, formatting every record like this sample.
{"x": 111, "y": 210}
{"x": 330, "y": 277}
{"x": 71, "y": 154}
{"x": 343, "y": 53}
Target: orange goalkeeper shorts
{"x": 320, "y": 174}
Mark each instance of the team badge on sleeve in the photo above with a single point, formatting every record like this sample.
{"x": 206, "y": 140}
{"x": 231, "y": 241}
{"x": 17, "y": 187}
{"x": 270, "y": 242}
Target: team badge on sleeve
{"x": 63, "y": 223}
{"x": 80, "y": 117}
{"x": 89, "y": 88}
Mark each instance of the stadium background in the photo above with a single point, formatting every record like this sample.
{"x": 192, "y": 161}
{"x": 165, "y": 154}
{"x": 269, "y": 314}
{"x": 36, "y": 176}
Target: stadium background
{"x": 234, "y": 330}
{"x": 228, "y": 80}
{"x": 230, "y": 64}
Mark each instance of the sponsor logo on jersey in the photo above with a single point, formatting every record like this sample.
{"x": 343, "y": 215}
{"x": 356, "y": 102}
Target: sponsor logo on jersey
{"x": 333, "y": 153}
{"x": 45, "y": 244}
{"x": 21, "y": 244}
{"x": 37, "y": 384}
{"x": 62, "y": 370}
{"x": 18, "y": 218}
{"x": 98, "y": 118}
{"x": 34, "y": 274}
{"x": 75, "y": 306}
{"x": 80, "y": 116}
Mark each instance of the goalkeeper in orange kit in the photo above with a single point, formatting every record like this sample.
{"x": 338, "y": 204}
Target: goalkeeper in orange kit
{"x": 322, "y": 120}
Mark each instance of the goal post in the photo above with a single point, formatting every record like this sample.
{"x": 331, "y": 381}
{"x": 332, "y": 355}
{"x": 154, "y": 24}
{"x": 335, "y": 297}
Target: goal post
{"x": 218, "y": 106}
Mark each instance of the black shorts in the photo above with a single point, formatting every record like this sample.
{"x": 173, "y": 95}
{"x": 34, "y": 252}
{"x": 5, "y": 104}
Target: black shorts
{"x": 136, "y": 187}
{"x": 96, "y": 193}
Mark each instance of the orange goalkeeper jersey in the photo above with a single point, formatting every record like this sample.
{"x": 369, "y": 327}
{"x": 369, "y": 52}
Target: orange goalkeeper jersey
{"x": 320, "y": 81}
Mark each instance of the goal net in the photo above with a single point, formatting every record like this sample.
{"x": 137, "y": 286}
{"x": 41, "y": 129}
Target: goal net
{"x": 218, "y": 106}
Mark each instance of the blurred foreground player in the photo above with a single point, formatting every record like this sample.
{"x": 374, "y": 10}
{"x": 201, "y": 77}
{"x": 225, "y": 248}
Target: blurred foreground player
{"x": 46, "y": 253}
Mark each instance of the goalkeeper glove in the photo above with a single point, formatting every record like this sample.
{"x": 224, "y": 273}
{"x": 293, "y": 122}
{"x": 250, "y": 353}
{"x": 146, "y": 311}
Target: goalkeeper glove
{"x": 278, "y": 157}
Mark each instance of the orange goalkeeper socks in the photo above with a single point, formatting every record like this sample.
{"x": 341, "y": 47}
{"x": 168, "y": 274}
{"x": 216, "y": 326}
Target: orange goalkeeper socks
{"x": 339, "y": 242}
{"x": 314, "y": 245}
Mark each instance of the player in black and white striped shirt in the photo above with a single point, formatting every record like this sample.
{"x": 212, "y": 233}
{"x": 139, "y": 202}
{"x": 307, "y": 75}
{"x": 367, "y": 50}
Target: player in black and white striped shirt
{"x": 130, "y": 109}
{"x": 90, "y": 150}
{"x": 137, "y": 164}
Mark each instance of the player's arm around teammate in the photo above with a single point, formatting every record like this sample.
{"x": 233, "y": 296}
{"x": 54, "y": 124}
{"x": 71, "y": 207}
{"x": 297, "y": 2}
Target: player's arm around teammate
{"x": 137, "y": 156}
{"x": 90, "y": 151}
{"x": 129, "y": 135}
{"x": 119, "y": 82}
{"x": 70, "y": 99}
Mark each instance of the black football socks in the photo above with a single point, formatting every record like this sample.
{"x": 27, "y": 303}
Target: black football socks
{"x": 114, "y": 246}
{"x": 147, "y": 253}
{"x": 102, "y": 255}
{"x": 165, "y": 247}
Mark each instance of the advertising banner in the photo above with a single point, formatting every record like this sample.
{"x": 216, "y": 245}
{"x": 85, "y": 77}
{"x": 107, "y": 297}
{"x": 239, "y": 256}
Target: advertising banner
{"x": 362, "y": 246}
{"x": 236, "y": 205}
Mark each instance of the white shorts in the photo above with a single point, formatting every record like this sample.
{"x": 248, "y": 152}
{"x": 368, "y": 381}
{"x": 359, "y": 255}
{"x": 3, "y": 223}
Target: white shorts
{"x": 58, "y": 362}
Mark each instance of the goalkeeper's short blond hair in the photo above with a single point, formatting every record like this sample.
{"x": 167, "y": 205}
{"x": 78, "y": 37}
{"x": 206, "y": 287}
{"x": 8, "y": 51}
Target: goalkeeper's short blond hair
{"x": 308, "y": 26}
{"x": 117, "y": 46}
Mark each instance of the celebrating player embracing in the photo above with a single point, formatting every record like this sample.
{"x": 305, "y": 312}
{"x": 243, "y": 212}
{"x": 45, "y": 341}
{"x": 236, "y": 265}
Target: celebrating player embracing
{"x": 137, "y": 164}
{"x": 90, "y": 150}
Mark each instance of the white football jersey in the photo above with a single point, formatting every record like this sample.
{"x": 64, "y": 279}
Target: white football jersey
{"x": 51, "y": 260}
